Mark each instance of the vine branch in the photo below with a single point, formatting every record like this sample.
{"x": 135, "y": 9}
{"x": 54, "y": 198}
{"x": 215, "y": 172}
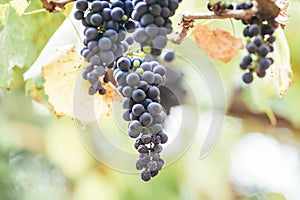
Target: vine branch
{"x": 187, "y": 19}
{"x": 54, "y": 7}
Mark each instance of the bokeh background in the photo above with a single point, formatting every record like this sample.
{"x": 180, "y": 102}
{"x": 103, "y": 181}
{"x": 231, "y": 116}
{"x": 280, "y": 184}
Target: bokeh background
{"x": 42, "y": 157}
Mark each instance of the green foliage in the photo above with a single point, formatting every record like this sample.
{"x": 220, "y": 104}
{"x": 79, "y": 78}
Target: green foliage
{"x": 23, "y": 36}
{"x": 12, "y": 39}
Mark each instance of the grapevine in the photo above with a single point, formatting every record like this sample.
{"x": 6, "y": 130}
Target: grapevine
{"x": 112, "y": 27}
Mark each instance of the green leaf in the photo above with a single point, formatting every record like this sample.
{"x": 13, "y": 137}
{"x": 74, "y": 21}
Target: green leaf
{"x": 20, "y": 5}
{"x": 12, "y": 43}
{"x": 258, "y": 96}
{"x": 288, "y": 105}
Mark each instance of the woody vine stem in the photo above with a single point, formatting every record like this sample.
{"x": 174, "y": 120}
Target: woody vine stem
{"x": 186, "y": 20}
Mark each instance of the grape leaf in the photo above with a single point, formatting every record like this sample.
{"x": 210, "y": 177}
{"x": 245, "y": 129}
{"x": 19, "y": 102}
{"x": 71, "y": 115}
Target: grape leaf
{"x": 283, "y": 16}
{"x": 260, "y": 103}
{"x": 59, "y": 39}
{"x": 68, "y": 92}
{"x": 269, "y": 9}
{"x": 20, "y": 5}
{"x": 218, "y": 44}
{"x": 281, "y": 68}
{"x": 12, "y": 43}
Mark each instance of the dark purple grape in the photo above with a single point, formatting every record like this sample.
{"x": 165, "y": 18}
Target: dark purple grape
{"x": 248, "y": 77}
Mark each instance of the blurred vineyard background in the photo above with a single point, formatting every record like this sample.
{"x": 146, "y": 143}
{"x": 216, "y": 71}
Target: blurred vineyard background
{"x": 42, "y": 157}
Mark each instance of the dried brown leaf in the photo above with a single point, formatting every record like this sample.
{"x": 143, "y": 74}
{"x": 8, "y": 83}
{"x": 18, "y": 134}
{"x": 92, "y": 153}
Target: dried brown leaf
{"x": 217, "y": 43}
{"x": 68, "y": 92}
{"x": 267, "y": 9}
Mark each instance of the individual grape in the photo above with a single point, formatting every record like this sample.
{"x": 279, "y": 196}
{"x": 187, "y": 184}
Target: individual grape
{"x": 267, "y": 29}
{"x": 126, "y": 103}
{"x": 271, "y": 39}
{"x": 148, "y": 76}
{"x": 107, "y": 57}
{"x": 96, "y": 19}
{"x": 247, "y": 60}
{"x": 117, "y": 14}
{"x": 146, "y": 176}
{"x": 146, "y": 66}
{"x": 91, "y": 34}
{"x": 146, "y": 119}
{"x": 263, "y": 50}
{"x": 261, "y": 73}
{"x": 138, "y": 95}
{"x": 253, "y": 30}
{"x": 97, "y": 6}
{"x": 139, "y": 164}
{"x": 130, "y": 26}
{"x": 81, "y": 5}
{"x": 127, "y": 91}
{"x": 243, "y": 66}
{"x": 153, "y": 92}
{"x": 152, "y": 165}
{"x": 140, "y": 35}
{"x": 251, "y": 48}
{"x": 157, "y": 148}
{"x": 160, "y": 41}
{"x": 124, "y": 64}
{"x": 154, "y": 108}
{"x": 169, "y": 56}
{"x": 138, "y": 109}
{"x": 78, "y": 14}
{"x": 146, "y": 102}
{"x": 105, "y": 44}
{"x": 258, "y": 41}
{"x": 248, "y": 77}
{"x": 133, "y": 134}
{"x": 264, "y": 63}
{"x": 126, "y": 115}
{"x": 135, "y": 126}
{"x": 155, "y": 128}
{"x": 132, "y": 79}
{"x": 129, "y": 40}
{"x": 246, "y": 32}
{"x": 159, "y": 69}
{"x": 146, "y": 139}
{"x": 147, "y": 19}
{"x": 143, "y": 149}
{"x": 164, "y": 137}
{"x": 158, "y": 119}
{"x": 154, "y": 173}
{"x": 152, "y": 30}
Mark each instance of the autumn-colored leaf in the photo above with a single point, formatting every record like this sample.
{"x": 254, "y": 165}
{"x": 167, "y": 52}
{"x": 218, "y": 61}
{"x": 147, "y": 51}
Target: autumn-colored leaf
{"x": 281, "y": 69}
{"x": 283, "y": 16}
{"x": 68, "y": 92}
{"x": 269, "y": 10}
{"x": 217, "y": 43}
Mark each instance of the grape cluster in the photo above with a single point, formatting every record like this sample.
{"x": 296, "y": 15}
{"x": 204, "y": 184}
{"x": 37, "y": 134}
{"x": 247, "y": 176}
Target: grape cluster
{"x": 105, "y": 31}
{"x": 153, "y": 23}
{"x": 260, "y": 43}
{"x": 138, "y": 81}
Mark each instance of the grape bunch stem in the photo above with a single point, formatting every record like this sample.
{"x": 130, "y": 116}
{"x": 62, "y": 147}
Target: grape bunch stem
{"x": 54, "y": 7}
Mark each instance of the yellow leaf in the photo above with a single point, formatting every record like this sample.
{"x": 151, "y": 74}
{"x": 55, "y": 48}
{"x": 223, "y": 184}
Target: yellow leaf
{"x": 218, "y": 44}
{"x": 68, "y": 92}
